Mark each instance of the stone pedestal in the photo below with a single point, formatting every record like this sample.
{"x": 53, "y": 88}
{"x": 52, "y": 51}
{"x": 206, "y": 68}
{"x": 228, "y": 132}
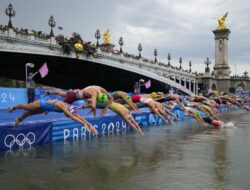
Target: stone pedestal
{"x": 11, "y": 32}
{"x": 223, "y": 85}
{"x": 106, "y": 47}
{"x": 221, "y": 67}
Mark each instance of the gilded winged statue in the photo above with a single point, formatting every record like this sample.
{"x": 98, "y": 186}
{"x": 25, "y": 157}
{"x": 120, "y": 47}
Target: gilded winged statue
{"x": 221, "y": 22}
{"x": 106, "y": 37}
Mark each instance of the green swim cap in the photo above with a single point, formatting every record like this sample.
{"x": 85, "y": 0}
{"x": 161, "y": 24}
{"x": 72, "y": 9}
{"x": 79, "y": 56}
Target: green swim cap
{"x": 102, "y": 98}
{"x": 128, "y": 98}
{"x": 197, "y": 113}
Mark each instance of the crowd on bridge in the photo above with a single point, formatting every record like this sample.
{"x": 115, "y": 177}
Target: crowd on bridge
{"x": 203, "y": 108}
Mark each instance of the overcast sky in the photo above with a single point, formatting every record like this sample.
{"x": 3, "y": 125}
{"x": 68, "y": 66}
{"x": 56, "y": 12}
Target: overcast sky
{"x": 180, "y": 27}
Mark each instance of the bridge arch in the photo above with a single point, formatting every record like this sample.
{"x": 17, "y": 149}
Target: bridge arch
{"x": 240, "y": 87}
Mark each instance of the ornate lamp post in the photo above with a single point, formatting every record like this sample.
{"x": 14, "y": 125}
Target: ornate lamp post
{"x": 169, "y": 58}
{"x": 139, "y": 49}
{"x": 190, "y": 65}
{"x": 52, "y": 24}
{"x": 10, "y": 12}
{"x": 207, "y": 63}
{"x": 121, "y": 42}
{"x": 97, "y": 36}
{"x": 155, "y": 54}
{"x": 30, "y": 65}
{"x": 180, "y": 61}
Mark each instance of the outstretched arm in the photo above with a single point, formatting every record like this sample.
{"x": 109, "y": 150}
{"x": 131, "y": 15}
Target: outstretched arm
{"x": 34, "y": 75}
{"x": 91, "y": 127}
{"x": 201, "y": 121}
{"x": 78, "y": 119}
{"x": 130, "y": 103}
{"x": 111, "y": 99}
{"x": 93, "y": 103}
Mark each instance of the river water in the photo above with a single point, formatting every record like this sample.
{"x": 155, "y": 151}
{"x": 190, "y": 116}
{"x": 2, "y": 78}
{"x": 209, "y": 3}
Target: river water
{"x": 183, "y": 156}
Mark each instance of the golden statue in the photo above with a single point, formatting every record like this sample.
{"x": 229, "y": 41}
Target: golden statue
{"x": 79, "y": 46}
{"x": 221, "y": 22}
{"x": 106, "y": 37}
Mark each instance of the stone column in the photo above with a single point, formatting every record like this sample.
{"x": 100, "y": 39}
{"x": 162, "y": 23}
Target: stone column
{"x": 221, "y": 67}
{"x": 196, "y": 88}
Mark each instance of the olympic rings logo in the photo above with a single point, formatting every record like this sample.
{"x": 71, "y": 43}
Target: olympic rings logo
{"x": 20, "y": 140}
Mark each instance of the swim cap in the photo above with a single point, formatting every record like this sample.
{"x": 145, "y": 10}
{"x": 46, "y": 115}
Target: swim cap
{"x": 102, "y": 98}
{"x": 136, "y": 98}
{"x": 216, "y": 123}
{"x": 154, "y": 95}
{"x": 197, "y": 113}
{"x": 128, "y": 98}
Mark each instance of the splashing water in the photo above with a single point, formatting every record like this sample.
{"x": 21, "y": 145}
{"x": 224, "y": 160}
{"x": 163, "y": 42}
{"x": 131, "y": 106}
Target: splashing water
{"x": 229, "y": 124}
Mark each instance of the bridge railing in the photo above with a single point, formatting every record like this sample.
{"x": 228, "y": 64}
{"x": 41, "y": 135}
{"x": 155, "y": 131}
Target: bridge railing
{"x": 147, "y": 65}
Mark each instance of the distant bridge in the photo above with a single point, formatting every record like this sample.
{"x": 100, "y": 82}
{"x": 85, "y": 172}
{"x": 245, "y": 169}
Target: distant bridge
{"x": 112, "y": 71}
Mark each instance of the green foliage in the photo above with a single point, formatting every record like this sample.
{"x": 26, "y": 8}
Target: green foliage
{"x": 4, "y": 82}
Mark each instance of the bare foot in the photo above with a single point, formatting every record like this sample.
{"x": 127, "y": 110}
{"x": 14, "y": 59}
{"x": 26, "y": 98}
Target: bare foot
{"x": 16, "y": 122}
{"x": 11, "y": 109}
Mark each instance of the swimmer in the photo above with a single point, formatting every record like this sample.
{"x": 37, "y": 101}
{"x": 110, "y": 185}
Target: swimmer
{"x": 92, "y": 93}
{"x": 120, "y": 110}
{"x": 155, "y": 108}
{"x": 204, "y": 108}
{"x": 43, "y": 106}
{"x": 121, "y": 97}
{"x": 172, "y": 97}
{"x": 215, "y": 123}
{"x": 163, "y": 110}
{"x": 236, "y": 102}
{"x": 70, "y": 96}
{"x": 195, "y": 114}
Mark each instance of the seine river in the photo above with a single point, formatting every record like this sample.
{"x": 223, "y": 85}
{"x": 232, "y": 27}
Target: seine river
{"x": 183, "y": 156}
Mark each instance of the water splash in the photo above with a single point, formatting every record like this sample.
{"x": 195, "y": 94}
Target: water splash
{"x": 229, "y": 124}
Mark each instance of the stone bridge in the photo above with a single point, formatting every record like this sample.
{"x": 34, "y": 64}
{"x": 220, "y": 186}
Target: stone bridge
{"x": 16, "y": 50}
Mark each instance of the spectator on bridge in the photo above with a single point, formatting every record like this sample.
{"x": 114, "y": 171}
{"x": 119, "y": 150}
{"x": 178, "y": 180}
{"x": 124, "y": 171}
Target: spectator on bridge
{"x": 44, "y": 106}
{"x": 30, "y": 85}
